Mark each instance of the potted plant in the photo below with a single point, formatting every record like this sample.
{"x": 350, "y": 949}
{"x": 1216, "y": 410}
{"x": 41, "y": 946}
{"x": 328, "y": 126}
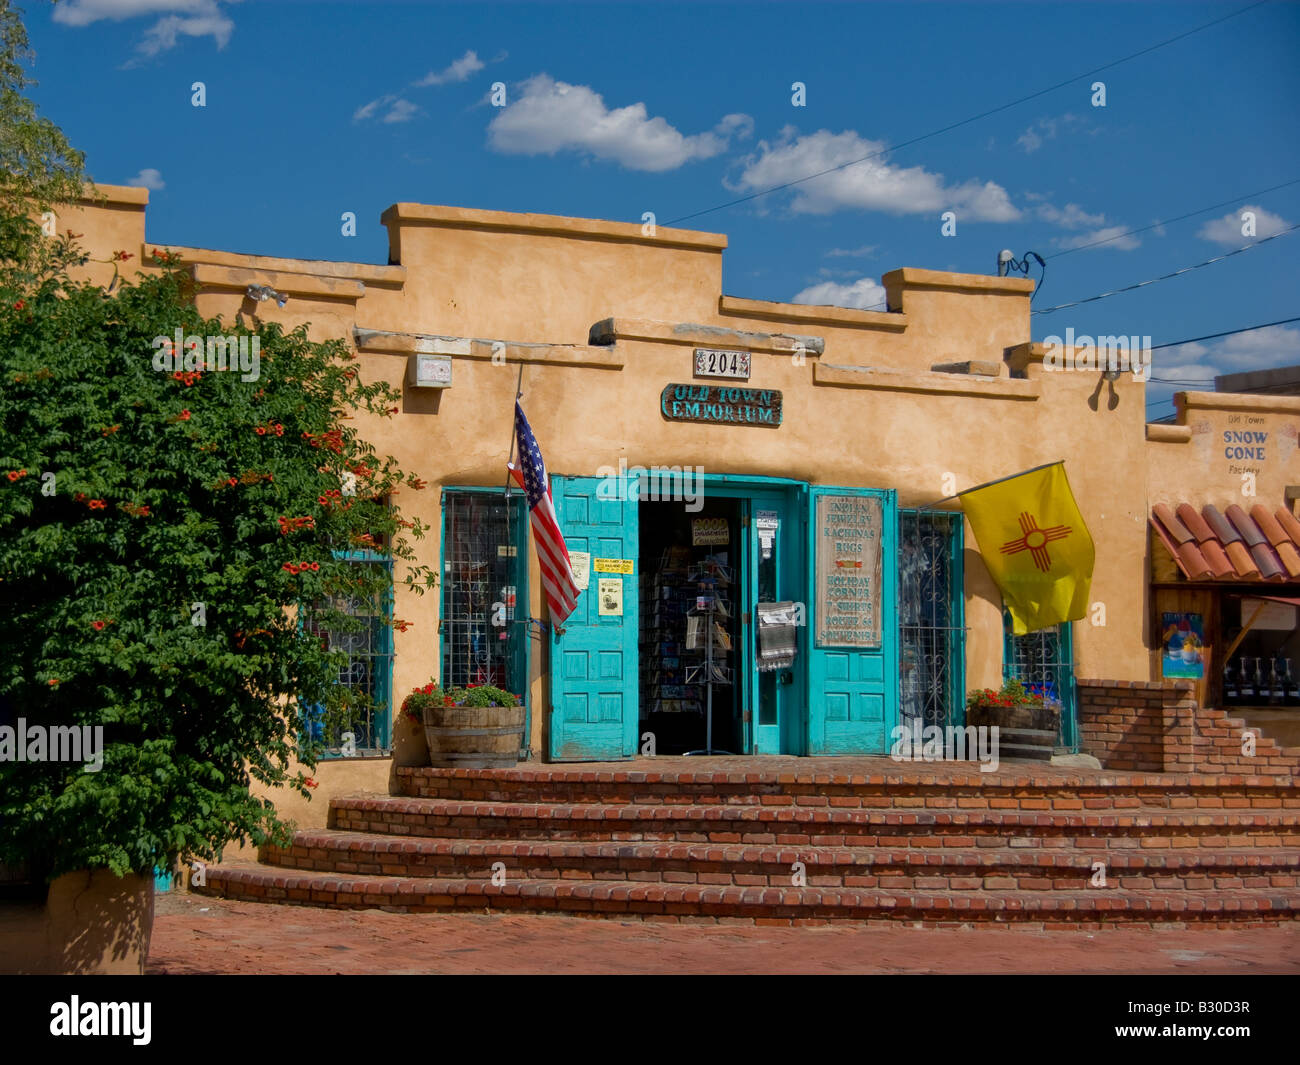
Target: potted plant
{"x": 474, "y": 727}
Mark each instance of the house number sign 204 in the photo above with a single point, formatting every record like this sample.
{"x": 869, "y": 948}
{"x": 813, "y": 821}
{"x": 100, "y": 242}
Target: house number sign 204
{"x": 710, "y": 362}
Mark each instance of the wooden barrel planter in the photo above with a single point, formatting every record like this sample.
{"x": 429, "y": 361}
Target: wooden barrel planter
{"x": 1027, "y": 732}
{"x": 474, "y": 737}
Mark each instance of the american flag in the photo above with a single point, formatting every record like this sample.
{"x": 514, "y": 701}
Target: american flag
{"x": 552, "y": 554}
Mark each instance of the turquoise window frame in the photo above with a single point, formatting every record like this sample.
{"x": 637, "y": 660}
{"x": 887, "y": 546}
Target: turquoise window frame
{"x": 382, "y": 728}
{"x": 523, "y": 600}
{"x": 1069, "y": 734}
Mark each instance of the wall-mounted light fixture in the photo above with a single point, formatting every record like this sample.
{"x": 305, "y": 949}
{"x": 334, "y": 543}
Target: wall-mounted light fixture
{"x": 266, "y": 292}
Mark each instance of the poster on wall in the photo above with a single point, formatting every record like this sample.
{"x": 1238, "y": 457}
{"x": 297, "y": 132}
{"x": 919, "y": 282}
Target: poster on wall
{"x": 1183, "y": 640}
{"x": 848, "y": 571}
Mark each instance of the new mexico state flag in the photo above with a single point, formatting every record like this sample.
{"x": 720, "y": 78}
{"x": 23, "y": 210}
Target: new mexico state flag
{"x": 1035, "y": 544}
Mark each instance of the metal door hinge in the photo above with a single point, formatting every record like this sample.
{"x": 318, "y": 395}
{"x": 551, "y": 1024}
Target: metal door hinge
{"x": 744, "y": 618}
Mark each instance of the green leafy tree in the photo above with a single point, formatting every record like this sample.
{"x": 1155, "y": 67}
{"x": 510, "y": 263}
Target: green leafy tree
{"x": 163, "y": 535}
{"x": 39, "y": 169}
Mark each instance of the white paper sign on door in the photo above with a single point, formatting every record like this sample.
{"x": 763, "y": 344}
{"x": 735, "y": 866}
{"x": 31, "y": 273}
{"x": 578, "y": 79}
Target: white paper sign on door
{"x": 610, "y": 591}
{"x": 581, "y": 563}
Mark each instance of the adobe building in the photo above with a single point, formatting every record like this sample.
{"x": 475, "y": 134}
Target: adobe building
{"x": 773, "y": 439}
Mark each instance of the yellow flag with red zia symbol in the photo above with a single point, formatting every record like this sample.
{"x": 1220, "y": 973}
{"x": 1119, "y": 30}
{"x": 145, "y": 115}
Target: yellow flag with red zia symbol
{"x": 1035, "y": 545}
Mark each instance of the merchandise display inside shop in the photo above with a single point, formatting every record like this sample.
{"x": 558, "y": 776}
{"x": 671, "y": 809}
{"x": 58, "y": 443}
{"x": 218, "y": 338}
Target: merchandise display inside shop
{"x": 690, "y": 625}
{"x": 1262, "y": 663}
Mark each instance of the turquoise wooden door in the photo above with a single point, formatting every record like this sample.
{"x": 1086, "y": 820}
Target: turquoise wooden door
{"x": 852, "y": 620}
{"x": 594, "y": 663}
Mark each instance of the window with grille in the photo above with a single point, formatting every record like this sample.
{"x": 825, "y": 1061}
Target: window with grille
{"x": 484, "y": 594}
{"x": 1043, "y": 661}
{"x": 361, "y": 630}
{"x": 931, "y": 622}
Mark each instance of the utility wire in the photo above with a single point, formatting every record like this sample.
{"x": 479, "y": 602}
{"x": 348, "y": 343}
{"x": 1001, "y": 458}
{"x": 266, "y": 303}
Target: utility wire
{"x": 1215, "y": 336}
{"x": 1169, "y": 221}
{"x": 1166, "y": 277}
{"x": 1208, "y": 336}
{"x": 966, "y": 121}
{"x": 1154, "y": 225}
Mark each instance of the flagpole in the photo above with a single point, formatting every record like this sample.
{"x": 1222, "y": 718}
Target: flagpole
{"x": 519, "y": 391}
{"x": 988, "y": 484}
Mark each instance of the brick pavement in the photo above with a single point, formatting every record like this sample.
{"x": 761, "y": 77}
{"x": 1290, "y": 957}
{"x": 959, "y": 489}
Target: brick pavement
{"x": 195, "y": 934}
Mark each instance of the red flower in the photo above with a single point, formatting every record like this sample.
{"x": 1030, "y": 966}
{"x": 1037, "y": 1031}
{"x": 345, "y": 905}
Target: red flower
{"x": 13, "y": 475}
{"x": 97, "y": 625}
{"x": 311, "y": 783}
{"x": 260, "y": 431}
{"x": 185, "y": 415}
{"x": 19, "y": 305}
{"x": 54, "y": 682}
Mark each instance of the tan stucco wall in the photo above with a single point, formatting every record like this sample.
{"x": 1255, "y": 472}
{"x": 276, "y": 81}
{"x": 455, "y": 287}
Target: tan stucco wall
{"x": 1194, "y": 466}
{"x": 868, "y": 411}
{"x": 92, "y": 922}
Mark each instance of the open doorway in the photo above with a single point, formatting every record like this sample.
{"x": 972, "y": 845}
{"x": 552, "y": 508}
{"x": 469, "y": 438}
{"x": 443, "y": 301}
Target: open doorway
{"x": 691, "y": 604}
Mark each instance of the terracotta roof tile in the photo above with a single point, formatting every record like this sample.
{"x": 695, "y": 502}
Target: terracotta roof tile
{"x": 1188, "y": 516}
{"x": 1268, "y": 524}
{"x": 1230, "y": 546}
{"x": 1178, "y": 532}
{"x": 1290, "y": 524}
{"x": 1242, "y": 523}
{"x": 1222, "y": 527}
{"x": 1289, "y": 556}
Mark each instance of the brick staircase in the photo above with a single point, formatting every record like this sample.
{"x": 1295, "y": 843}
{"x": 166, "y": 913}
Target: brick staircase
{"x": 718, "y": 840}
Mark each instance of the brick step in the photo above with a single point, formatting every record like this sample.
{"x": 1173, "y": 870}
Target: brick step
{"x": 665, "y": 901}
{"x": 910, "y": 789}
{"x": 799, "y": 825}
{"x": 1017, "y": 867}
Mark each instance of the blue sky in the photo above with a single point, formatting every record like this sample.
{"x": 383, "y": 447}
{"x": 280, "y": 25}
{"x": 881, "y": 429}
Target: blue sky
{"x": 616, "y": 109}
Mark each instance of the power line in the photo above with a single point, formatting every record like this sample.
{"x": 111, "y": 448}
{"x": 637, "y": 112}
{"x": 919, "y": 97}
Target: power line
{"x": 1208, "y": 336}
{"x": 1170, "y": 221}
{"x": 1154, "y": 225}
{"x": 966, "y": 121}
{"x": 1230, "y": 332}
{"x": 1166, "y": 277}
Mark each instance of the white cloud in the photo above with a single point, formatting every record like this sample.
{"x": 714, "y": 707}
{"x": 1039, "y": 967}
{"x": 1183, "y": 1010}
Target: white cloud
{"x": 1046, "y": 129}
{"x": 1260, "y": 349}
{"x": 864, "y": 294}
{"x": 872, "y": 185}
{"x": 460, "y": 70}
{"x": 1226, "y": 231}
{"x": 852, "y": 253}
{"x": 396, "y": 109}
{"x": 401, "y": 111}
{"x": 1072, "y": 216}
{"x": 148, "y": 178}
{"x": 181, "y": 18}
{"x": 1115, "y": 237}
{"x": 549, "y": 116}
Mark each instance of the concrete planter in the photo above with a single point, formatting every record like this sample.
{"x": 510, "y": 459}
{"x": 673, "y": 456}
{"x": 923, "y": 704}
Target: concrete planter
{"x": 90, "y": 923}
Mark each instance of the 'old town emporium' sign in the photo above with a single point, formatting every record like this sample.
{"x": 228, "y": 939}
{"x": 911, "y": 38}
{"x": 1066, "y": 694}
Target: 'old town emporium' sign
{"x": 721, "y": 405}
{"x": 848, "y": 571}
